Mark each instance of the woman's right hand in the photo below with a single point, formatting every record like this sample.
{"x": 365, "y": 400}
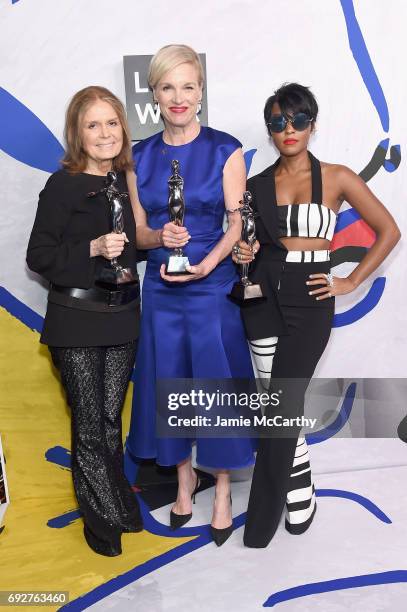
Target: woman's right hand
{"x": 243, "y": 253}
{"x": 108, "y": 246}
{"x": 174, "y": 236}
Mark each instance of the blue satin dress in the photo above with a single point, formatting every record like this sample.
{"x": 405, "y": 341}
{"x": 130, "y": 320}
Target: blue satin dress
{"x": 188, "y": 330}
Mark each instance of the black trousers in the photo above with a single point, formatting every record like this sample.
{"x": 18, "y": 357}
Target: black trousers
{"x": 95, "y": 380}
{"x": 296, "y": 356}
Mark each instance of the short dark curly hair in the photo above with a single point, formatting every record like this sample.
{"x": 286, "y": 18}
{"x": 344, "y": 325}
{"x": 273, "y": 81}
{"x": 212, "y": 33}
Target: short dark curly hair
{"x": 292, "y": 98}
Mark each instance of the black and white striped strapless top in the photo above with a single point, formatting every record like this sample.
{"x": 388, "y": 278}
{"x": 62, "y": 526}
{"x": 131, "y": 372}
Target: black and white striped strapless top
{"x": 306, "y": 220}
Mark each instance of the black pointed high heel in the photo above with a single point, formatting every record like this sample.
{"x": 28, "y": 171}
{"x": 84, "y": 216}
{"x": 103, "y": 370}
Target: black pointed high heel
{"x": 179, "y": 520}
{"x": 219, "y": 536}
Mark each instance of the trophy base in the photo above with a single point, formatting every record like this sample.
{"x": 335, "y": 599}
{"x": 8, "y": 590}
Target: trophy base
{"x": 176, "y": 265}
{"x": 109, "y": 277}
{"x": 246, "y": 294}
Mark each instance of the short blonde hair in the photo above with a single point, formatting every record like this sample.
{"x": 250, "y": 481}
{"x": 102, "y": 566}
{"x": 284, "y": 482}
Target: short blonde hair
{"x": 170, "y": 57}
{"x": 75, "y": 158}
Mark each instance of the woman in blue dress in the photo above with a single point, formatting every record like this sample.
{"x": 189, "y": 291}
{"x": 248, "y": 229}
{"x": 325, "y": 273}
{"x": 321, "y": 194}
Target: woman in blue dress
{"x": 189, "y": 329}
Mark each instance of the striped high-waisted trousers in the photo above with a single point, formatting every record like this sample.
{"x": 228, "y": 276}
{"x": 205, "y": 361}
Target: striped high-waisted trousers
{"x": 282, "y": 474}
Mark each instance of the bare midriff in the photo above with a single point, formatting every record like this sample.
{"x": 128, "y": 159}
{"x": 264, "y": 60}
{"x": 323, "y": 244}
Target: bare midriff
{"x": 305, "y": 244}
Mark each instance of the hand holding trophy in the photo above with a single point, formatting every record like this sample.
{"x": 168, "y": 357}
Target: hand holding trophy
{"x": 244, "y": 291}
{"x": 114, "y": 274}
{"x": 177, "y": 262}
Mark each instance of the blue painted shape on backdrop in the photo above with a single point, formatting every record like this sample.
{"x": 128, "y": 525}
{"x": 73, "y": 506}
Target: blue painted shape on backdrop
{"x": 63, "y": 520}
{"x": 248, "y": 158}
{"x": 102, "y": 591}
{"x": 338, "y": 584}
{"x": 346, "y": 218}
{"x": 359, "y": 499}
{"x": 20, "y": 311}
{"x": 328, "y": 432}
{"x": 365, "y": 305}
{"x": 390, "y": 165}
{"x": 364, "y": 63}
{"x": 59, "y": 455}
{"x": 25, "y": 137}
{"x": 153, "y": 526}
{"x": 204, "y": 538}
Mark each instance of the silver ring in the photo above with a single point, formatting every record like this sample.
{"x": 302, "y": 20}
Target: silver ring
{"x": 330, "y": 279}
{"x": 329, "y": 294}
{"x": 235, "y": 249}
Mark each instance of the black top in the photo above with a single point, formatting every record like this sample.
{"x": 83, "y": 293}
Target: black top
{"x": 265, "y": 319}
{"x": 59, "y": 249}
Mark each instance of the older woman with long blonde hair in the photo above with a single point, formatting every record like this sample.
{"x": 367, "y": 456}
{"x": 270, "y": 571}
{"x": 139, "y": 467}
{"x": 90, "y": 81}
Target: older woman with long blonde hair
{"x": 189, "y": 327}
{"x": 91, "y": 329}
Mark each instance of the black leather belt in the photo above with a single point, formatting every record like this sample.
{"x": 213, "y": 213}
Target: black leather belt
{"x": 100, "y": 295}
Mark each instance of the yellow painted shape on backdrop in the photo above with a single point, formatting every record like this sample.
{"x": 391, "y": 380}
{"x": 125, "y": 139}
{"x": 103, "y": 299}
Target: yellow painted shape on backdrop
{"x": 34, "y": 418}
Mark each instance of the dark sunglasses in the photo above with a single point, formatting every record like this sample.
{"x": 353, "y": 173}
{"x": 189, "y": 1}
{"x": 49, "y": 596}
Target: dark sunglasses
{"x": 299, "y": 121}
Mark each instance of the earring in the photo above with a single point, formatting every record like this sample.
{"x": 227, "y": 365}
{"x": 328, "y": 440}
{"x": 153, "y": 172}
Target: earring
{"x": 199, "y": 107}
{"x": 156, "y": 106}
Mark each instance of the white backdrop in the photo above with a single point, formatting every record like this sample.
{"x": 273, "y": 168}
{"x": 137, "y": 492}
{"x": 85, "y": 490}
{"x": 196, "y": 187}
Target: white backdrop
{"x": 50, "y": 50}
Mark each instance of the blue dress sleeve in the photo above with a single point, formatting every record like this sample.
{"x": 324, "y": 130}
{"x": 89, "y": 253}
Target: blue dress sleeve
{"x": 227, "y": 144}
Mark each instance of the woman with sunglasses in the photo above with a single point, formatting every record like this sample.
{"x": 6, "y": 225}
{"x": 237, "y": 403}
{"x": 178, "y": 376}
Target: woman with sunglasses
{"x": 297, "y": 200}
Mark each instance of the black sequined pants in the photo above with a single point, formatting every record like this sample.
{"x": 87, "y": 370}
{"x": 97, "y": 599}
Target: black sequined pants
{"x": 95, "y": 381}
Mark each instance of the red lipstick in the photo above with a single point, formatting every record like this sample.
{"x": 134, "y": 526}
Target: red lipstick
{"x": 178, "y": 109}
{"x": 290, "y": 141}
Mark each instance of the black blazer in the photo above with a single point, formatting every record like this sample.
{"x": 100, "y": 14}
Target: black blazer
{"x": 265, "y": 319}
{"x": 65, "y": 223}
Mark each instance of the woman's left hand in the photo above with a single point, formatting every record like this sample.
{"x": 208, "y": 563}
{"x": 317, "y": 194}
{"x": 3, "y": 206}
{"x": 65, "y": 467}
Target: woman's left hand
{"x": 196, "y": 272}
{"x": 334, "y": 285}
{"x": 244, "y": 253}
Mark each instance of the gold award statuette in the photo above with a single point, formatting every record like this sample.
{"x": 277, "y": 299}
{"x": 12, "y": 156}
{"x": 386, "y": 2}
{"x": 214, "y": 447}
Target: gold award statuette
{"x": 177, "y": 261}
{"x": 244, "y": 291}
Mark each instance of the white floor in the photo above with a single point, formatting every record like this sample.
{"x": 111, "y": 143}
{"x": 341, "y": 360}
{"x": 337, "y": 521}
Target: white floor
{"x": 345, "y": 540}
